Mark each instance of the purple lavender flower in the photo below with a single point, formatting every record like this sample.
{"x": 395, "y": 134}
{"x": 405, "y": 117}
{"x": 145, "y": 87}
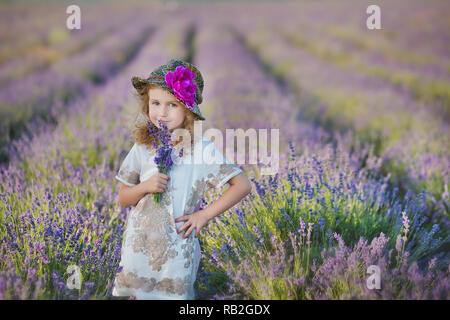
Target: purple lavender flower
{"x": 164, "y": 150}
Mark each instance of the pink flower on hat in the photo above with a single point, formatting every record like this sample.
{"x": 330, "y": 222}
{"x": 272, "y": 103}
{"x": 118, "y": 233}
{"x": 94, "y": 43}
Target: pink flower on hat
{"x": 182, "y": 84}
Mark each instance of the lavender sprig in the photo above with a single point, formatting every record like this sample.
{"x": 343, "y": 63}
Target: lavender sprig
{"x": 164, "y": 149}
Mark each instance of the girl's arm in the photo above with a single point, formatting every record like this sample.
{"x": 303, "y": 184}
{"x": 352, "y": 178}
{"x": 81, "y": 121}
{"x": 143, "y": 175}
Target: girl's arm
{"x": 130, "y": 196}
{"x": 239, "y": 187}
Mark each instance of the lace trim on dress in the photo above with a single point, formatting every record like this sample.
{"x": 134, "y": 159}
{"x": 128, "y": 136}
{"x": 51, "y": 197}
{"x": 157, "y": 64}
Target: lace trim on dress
{"x": 153, "y": 225}
{"x": 129, "y": 175}
{"x": 171, "y": 285}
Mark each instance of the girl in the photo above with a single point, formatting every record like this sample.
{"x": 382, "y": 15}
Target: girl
{"x": 160, "y": 255}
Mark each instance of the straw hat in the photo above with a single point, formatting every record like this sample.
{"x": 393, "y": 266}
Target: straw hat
{"x": 180, "y": 78}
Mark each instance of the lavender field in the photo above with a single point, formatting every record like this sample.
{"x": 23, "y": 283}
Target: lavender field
{"x": 364, "y": 119}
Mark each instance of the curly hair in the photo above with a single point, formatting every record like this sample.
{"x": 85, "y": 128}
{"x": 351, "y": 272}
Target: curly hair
{"x": 140, "y": 131}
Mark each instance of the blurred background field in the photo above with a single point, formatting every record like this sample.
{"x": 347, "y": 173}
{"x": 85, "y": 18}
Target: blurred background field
{"x": 364, "y": 143}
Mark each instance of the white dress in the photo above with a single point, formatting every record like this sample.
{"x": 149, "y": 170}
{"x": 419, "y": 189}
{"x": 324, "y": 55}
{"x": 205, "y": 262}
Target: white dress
{"x": 157, "y": 263}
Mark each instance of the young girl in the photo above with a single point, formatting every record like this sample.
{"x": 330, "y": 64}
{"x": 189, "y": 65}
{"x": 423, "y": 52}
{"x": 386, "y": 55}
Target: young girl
{"x": 160, "y": 255}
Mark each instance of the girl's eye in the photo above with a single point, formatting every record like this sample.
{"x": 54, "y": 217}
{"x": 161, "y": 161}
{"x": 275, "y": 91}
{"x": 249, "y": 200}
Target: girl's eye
{"x": 154, "y": 102}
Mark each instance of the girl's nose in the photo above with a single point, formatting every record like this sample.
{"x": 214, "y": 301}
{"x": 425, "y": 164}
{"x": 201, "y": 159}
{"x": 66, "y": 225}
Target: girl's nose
{"x": 164, "y": 111}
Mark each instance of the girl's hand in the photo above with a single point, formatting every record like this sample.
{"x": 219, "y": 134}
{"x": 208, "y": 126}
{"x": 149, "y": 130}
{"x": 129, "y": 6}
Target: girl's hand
{"x": 156, "y": 183}
{"x": 195, "y": 220}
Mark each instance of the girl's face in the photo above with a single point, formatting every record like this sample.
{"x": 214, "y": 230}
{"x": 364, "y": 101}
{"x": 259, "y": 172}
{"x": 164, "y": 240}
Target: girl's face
{"x": 165, "y": 107}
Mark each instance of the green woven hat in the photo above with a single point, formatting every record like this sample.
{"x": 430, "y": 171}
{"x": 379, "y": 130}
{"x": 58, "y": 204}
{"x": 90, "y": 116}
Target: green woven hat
{"x": 158, "y": 77}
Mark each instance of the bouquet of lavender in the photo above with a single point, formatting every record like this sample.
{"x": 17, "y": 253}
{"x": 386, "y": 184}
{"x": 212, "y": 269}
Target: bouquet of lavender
{"x": 164, "y": 149}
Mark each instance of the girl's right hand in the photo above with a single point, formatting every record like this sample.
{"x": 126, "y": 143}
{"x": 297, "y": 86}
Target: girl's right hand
{"x": 156, "y": 183}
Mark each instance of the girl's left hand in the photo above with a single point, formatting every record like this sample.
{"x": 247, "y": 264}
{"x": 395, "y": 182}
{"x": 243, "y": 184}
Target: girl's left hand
{"x": 195, "y": 220}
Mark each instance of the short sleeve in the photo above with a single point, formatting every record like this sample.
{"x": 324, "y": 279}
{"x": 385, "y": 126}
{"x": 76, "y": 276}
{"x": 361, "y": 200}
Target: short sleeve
{"x": 130, "y": 169}
{"x": 218, "y": 169}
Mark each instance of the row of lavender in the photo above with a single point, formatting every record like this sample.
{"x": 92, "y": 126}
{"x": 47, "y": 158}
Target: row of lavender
{"x": 59, "y": 203}
{"x": 421, "y": 72}
{"x": 45, "y": 93}
{"x": 52, "y": 40}
{"x": 26, "y": 22}
{"x": 411, "y": 140}
{"x": 312, "y": 231}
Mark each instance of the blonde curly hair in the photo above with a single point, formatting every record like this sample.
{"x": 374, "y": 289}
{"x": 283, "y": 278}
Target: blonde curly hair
{"x": 140, "y": 131}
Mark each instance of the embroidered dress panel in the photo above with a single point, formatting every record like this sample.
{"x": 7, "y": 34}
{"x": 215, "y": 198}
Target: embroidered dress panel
{"x": 157, "y": 263}
{"x": 129, "y": 172}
